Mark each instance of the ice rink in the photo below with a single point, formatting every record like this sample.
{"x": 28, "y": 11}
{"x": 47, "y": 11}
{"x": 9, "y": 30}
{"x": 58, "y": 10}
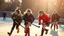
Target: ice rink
{"x": 5, "y": 26}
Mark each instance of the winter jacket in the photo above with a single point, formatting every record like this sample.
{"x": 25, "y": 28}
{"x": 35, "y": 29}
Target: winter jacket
{"x": 16, "y": 18}
{"x": 55, "y": 17}
{"x": 28, "y": 18}
{"x": 44, "y": 18}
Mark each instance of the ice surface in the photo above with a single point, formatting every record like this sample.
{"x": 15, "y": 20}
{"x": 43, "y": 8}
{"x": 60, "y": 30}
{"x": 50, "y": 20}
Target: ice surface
{"x": 5, "y": 26}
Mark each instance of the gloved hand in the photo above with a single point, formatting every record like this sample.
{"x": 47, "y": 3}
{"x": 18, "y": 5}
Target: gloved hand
{"x": 39, "y": 23}
{"x": 29, "y": 23}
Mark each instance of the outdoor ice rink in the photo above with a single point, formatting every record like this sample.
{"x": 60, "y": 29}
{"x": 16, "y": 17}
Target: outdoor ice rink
{"x": 5, "y": 26}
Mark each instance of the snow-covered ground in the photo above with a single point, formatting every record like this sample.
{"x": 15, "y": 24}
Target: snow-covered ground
{"x": 5, "y": 26}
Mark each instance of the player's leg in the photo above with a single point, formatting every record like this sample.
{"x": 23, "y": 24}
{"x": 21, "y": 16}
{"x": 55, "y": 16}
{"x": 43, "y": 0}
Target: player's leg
{"x": 28, "y": 31}
{"x": 57, "y": 24}
{"x": 25, "y": 30}
{"x": 47, "y": 24}
{"x": 25, "y": 34}
{"x": 9, "y": 33}
{"x": 42, "y": 32}
{"x": 28, "y": 34}
{"x": 46, "y": 31}
{"x": 17, "y": 28}
{"x": 52, "y": 24}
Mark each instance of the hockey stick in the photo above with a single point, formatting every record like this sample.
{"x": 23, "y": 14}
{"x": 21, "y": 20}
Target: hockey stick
{"x": 20, "y": 25}
{"x": 36, "y": 25}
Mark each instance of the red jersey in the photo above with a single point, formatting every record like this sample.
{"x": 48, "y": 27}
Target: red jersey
{"x": 44, "y": 18}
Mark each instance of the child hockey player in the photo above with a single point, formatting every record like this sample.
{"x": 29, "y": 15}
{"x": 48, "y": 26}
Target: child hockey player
{"x": 55, "y": 19}
{"x": 16, "y": 17}
{"x": 28, "y": 20}
{"x": 46, "y": 20}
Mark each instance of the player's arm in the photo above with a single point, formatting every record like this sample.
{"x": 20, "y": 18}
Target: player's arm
{"x": 13, "y": 17}
{"x": 33, "y": 18}
{"x": 39, "y": 20}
